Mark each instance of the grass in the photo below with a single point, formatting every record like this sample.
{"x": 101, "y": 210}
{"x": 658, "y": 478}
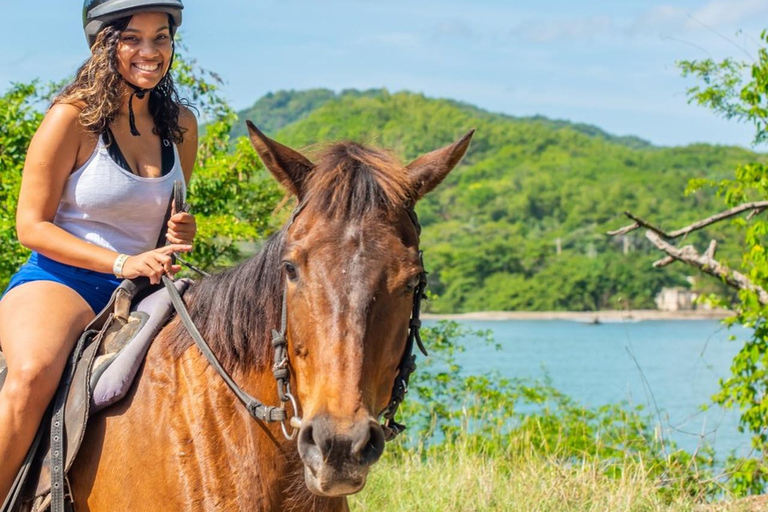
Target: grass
{"x": 459, "y": 478}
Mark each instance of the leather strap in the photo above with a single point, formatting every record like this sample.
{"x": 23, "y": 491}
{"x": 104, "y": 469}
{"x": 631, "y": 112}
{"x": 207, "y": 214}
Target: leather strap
{"x": 255, "y": 408}
{"x": 408, "y": 363}
{"x": 58, "y": 446}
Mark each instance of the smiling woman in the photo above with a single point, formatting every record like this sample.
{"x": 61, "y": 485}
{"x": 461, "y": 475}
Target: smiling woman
{"x": 97, "y": 178}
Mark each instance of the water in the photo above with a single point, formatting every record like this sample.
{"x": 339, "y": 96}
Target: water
{"x": 672, "y": 367}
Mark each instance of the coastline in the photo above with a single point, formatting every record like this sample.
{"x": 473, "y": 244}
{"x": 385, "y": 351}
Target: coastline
{"x": 593, "y": 317}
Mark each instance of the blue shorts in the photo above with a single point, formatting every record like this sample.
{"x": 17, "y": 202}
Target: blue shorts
{"x": 96, "y": 288}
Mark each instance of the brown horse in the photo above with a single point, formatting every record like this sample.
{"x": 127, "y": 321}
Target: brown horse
{"x": 348, "y": 265}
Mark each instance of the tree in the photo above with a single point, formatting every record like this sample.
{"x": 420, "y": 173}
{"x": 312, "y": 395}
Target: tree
{"x": 736, "y": 90}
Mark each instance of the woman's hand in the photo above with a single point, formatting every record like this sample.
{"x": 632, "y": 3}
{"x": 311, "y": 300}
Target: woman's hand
{"x": 181, "y": 228}
{"x": 153, "y": 264}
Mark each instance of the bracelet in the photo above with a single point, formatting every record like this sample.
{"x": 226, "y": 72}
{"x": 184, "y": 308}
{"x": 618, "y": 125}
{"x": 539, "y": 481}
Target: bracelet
{"x": 117, "y": 266}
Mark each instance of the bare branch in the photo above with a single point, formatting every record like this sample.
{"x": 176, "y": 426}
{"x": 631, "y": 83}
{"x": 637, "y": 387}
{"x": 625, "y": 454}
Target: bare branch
{"x": 624, "y": 230}
{"x": 645, "y": 224}
{"x": 757, "y": 207}
{"x": 707, "y": 265}
{"x": 753, "y": 213}
{"x": 663, "y": 262}
{"x": 710, "y": 252}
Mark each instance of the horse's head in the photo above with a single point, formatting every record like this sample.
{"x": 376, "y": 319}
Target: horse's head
{"x": 350, "y": 265}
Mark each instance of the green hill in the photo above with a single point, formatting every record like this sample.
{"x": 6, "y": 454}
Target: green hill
{"x": 527, "y": 186}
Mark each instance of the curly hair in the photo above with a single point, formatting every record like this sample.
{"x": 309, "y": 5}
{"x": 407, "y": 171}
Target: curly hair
{"x": 98, "y": 87}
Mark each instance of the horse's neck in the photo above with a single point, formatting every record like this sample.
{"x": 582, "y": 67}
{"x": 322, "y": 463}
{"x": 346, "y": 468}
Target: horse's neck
{"x": 248, "y": 454}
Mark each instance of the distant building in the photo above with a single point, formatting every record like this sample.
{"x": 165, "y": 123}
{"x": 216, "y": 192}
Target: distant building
{"x": 676, "y": 299}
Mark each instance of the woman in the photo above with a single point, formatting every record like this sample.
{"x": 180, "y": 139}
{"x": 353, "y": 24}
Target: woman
{"x": 97, "y": 179}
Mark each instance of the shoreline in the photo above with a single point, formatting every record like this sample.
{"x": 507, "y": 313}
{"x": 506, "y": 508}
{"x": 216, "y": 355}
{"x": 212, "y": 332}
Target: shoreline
{"x": 590, "y": 317}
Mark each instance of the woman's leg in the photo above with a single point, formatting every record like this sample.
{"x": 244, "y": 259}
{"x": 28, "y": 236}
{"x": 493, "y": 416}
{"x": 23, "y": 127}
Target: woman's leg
{"x": 40, "y": 322}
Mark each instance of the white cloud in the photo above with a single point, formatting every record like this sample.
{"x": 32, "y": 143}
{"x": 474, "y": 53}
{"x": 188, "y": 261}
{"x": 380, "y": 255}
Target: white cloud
{"x": 661, "y": 18}
{"x": 719, "y": 13}
{"x": 713, "y": 15}
{"x": 453, "y": 29}
{"x": 568, "y": 30}
{"x": 402, "y": 40}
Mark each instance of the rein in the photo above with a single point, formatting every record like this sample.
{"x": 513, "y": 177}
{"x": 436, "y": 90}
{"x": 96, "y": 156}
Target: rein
{"x": 267, "y": 413}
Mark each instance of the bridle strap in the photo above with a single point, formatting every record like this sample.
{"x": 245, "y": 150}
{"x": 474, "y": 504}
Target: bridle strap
{"x": 408, "y": 362}
{"x": 255, "y": 408}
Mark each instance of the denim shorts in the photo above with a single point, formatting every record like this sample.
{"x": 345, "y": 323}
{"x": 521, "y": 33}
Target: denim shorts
{"x": 96, "y": 288}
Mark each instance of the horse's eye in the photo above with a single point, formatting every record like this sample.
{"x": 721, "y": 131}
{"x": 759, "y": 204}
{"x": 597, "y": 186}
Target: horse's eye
{"x": 410, "y": 287}
{"x": 290, "y": 270}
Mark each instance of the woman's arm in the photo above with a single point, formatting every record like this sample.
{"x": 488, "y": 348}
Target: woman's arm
{"x": 51, "y": 158}
{"x": 181, "y": 226}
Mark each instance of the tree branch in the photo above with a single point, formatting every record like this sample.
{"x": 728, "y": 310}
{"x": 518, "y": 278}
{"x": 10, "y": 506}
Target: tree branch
{"x": 706, "y": 264}
{"x": 663, "y": 262}
{"x": 756, "y": 208}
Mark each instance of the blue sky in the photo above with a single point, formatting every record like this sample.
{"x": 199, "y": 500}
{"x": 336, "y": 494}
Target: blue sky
{"x": 601, "y": 62}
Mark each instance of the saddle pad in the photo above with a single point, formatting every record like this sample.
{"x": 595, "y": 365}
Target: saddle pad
{"x": 115, "y": 375}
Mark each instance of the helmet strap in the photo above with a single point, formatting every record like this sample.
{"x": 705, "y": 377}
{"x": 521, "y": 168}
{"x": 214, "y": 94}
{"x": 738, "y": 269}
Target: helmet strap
{"x": 131, "y": 118}
{"x": 140, "y": 93}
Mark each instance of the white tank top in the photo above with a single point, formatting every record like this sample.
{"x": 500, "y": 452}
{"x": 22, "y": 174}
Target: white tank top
{"x": 106, "y": 205}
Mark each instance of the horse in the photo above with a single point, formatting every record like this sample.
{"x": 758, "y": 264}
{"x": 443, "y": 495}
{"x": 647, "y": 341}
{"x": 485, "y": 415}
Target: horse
{"x": 341, "y": 275}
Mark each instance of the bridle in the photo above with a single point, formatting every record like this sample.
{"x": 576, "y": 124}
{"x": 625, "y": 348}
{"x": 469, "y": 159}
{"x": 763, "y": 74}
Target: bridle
{"x": 280, "y": 367}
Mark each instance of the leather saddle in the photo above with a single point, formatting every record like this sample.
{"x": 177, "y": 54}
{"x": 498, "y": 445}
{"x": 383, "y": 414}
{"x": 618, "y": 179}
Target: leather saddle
{"x": 104, "y": 364}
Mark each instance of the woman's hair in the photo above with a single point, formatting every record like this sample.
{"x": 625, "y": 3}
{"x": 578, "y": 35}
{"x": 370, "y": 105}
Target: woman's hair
{"x": 98, "y": 88}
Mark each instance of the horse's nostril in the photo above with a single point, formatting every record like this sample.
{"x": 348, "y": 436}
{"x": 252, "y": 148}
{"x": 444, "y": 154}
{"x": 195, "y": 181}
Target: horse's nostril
{"x": 306, "y": 436}
{"x": 371, "y": 446}
{"x": 321, "y": 442}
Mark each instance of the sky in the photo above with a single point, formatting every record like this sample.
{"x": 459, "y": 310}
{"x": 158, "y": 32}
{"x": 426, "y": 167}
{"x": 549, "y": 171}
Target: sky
{"x": 607, "y": 63}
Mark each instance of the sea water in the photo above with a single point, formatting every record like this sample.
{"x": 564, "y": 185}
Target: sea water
{"x": 671, "y": 367}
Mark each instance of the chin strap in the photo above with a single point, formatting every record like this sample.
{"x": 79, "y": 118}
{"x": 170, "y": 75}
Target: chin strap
{"x": 131, "y": 118}
{"x": 140, "y": 93}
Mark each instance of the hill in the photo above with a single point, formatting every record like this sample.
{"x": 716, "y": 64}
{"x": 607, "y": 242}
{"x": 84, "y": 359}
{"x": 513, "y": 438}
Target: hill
{"x": 521, "y": 224}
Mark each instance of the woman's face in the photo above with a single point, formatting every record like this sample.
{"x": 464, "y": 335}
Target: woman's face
{"x": 145, "y": 48}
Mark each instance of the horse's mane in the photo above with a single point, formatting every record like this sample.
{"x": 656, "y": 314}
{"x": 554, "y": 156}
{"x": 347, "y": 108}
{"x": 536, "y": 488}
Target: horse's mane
{"x": 237, "y": 309}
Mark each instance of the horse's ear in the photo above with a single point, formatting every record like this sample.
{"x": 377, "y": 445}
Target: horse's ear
{"x": 429, "y": 170}
{"x": 287, "y": 165}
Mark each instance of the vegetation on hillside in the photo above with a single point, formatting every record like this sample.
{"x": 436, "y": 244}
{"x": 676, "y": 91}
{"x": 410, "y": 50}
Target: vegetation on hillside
{"x": 521, "y": 224}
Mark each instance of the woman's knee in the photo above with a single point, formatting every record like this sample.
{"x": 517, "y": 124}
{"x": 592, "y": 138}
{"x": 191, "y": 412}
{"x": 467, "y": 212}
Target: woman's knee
{"x": 31, "y": 386}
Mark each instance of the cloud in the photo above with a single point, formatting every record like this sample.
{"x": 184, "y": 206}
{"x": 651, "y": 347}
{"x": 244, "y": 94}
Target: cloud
{"x": 453, "y": 29}
{"x": 401, "y": 40}
{"x": 715, "y": 14}
{"x": 719, "y": 13}
{"x": 661, "y": 18}
{"x": 568, "y": 30}
{"x": 665, "y": 18}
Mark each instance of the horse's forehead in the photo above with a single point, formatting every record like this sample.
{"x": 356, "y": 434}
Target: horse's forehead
{"x": 369, "y": 232}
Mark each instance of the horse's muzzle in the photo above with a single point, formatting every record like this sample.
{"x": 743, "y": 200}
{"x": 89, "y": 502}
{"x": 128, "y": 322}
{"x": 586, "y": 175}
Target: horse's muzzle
{"x": 337, "y": 458}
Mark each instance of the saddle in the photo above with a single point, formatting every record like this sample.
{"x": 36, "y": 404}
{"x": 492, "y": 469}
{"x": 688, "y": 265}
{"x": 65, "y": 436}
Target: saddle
{"x": 101, "y": 371}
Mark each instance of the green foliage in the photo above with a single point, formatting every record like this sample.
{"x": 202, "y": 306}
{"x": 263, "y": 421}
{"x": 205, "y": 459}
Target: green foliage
{"x": 231, "y": 194}
{"x": 18, "y": 122}
{"x": 491, "y": 230}
{"x": 503, "y": 418}
{"x": 740, "y": 90}
{"x": 275, "y": 110}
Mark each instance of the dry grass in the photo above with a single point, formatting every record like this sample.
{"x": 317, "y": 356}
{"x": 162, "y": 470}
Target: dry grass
{"x": 462, "y": 480}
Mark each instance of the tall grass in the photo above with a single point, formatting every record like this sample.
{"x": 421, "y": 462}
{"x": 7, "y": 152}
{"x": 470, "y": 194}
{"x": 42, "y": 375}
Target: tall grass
{"x": 485, "y": 443}
{"x": 456, "y": 476}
